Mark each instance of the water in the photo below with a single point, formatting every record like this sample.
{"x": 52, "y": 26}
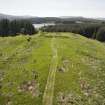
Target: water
{"x": 43, "y": 24}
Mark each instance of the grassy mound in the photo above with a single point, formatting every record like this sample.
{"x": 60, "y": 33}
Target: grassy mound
{"x": 25, "y": 62}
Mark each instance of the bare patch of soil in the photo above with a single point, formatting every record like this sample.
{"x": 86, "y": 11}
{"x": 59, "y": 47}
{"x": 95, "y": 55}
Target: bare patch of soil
{"x": 30, "y": 87}
{"x": 87, "y": 90}
{"x": 68, "y": 99}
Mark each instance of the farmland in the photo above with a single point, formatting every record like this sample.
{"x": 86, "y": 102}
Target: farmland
{"x": 52, "y": 69}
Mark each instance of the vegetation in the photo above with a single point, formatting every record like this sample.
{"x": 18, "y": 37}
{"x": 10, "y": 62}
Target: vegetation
{"x": 4, "y": 27}
{"x": 24, "y": 67}
{"x": 16, "y": 27}
{"x": 89, "y": 30}
{"x": 80, "y": 73}
{"x": 73, "y": 65}
{"x": 101, "y": 34}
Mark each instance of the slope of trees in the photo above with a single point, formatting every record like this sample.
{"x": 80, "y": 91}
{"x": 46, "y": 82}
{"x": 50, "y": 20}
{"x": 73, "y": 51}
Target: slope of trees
{"x": 88, "y": 30}
{"x": 15, "y": 27}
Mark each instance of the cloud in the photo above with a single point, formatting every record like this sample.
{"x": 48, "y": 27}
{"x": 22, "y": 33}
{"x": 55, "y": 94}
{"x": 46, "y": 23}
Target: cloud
{"x": 90, "y": 8}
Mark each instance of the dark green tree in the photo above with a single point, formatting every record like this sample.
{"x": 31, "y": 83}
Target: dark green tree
{"x": 29, "y": 28}
{"x": 4, "y": 27}
{"x": 14, "y": 27}
{"x": 101, "y": 34}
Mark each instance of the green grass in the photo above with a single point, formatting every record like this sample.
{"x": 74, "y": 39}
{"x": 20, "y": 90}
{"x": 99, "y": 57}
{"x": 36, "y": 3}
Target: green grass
{"x": 20, "y": 58}
{"x": 86, "y": 60}
{"x": 81, "y": 61}
{"x": 49, "y": 89}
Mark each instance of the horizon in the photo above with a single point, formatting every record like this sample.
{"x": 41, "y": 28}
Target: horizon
{"x": 54, "y": 8}
{"x": 51, "y": 16}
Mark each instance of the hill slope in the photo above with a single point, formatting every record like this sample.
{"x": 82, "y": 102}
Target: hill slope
{"x": 12, "y": 17}
{"x": 52, "y": 68}
{"x": 39, "y": 20}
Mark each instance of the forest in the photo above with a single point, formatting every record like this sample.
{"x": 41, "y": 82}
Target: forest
{"x": 16, "y": 27}
{"x": 89, "y": 30}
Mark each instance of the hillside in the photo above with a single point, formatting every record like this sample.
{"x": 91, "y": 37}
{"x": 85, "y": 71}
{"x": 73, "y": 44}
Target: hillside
{"x": 52, "y": 69}
{"x": 13, "y": 17}
{"x": 58, "y": 20}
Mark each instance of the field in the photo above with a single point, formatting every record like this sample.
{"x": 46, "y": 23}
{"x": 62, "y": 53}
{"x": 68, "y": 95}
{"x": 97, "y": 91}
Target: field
{"x": 52, "y": 69}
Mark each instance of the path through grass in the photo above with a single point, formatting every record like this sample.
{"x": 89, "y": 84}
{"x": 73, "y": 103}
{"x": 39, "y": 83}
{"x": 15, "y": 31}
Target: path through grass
{"x": 49, "y": 89}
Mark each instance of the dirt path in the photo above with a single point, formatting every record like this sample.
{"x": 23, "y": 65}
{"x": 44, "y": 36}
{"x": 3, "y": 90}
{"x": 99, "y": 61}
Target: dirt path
{"x": 49, "y": 90}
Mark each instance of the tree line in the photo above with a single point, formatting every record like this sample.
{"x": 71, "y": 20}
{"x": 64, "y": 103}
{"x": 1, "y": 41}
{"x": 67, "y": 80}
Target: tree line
{"x": 16, "y": 27}
{"x": 95, "y": 31}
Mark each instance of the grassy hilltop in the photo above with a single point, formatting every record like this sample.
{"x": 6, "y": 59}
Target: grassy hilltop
{"x": 52, "y": 69}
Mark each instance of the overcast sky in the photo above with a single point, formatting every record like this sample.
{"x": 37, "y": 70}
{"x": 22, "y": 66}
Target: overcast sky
{"x": 87, "y": 8}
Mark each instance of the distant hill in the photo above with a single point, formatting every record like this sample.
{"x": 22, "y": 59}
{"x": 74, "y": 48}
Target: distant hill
{"x": 38, "y": 20}
{"x": 12, "y": 17}
{"x": 33, "y": 19}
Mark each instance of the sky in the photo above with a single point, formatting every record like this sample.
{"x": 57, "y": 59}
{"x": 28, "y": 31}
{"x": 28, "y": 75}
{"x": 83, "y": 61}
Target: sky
{"x": 54, "y": 8}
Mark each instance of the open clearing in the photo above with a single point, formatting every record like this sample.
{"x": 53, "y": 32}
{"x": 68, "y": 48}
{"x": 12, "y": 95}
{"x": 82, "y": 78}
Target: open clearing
{"x": 52, "y": 69}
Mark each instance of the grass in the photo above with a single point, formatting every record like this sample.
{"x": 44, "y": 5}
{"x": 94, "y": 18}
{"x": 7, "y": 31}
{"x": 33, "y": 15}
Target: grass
{"x": 80, "y": 71}
{"x": 49, "y": 90}
{"x": 86, "y": 67}
{"x": 18, "y": 64}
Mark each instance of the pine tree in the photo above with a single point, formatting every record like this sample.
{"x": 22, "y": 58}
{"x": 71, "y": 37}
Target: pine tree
{"x": 14, "y": 27}
{"x": 4, "y": 27}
